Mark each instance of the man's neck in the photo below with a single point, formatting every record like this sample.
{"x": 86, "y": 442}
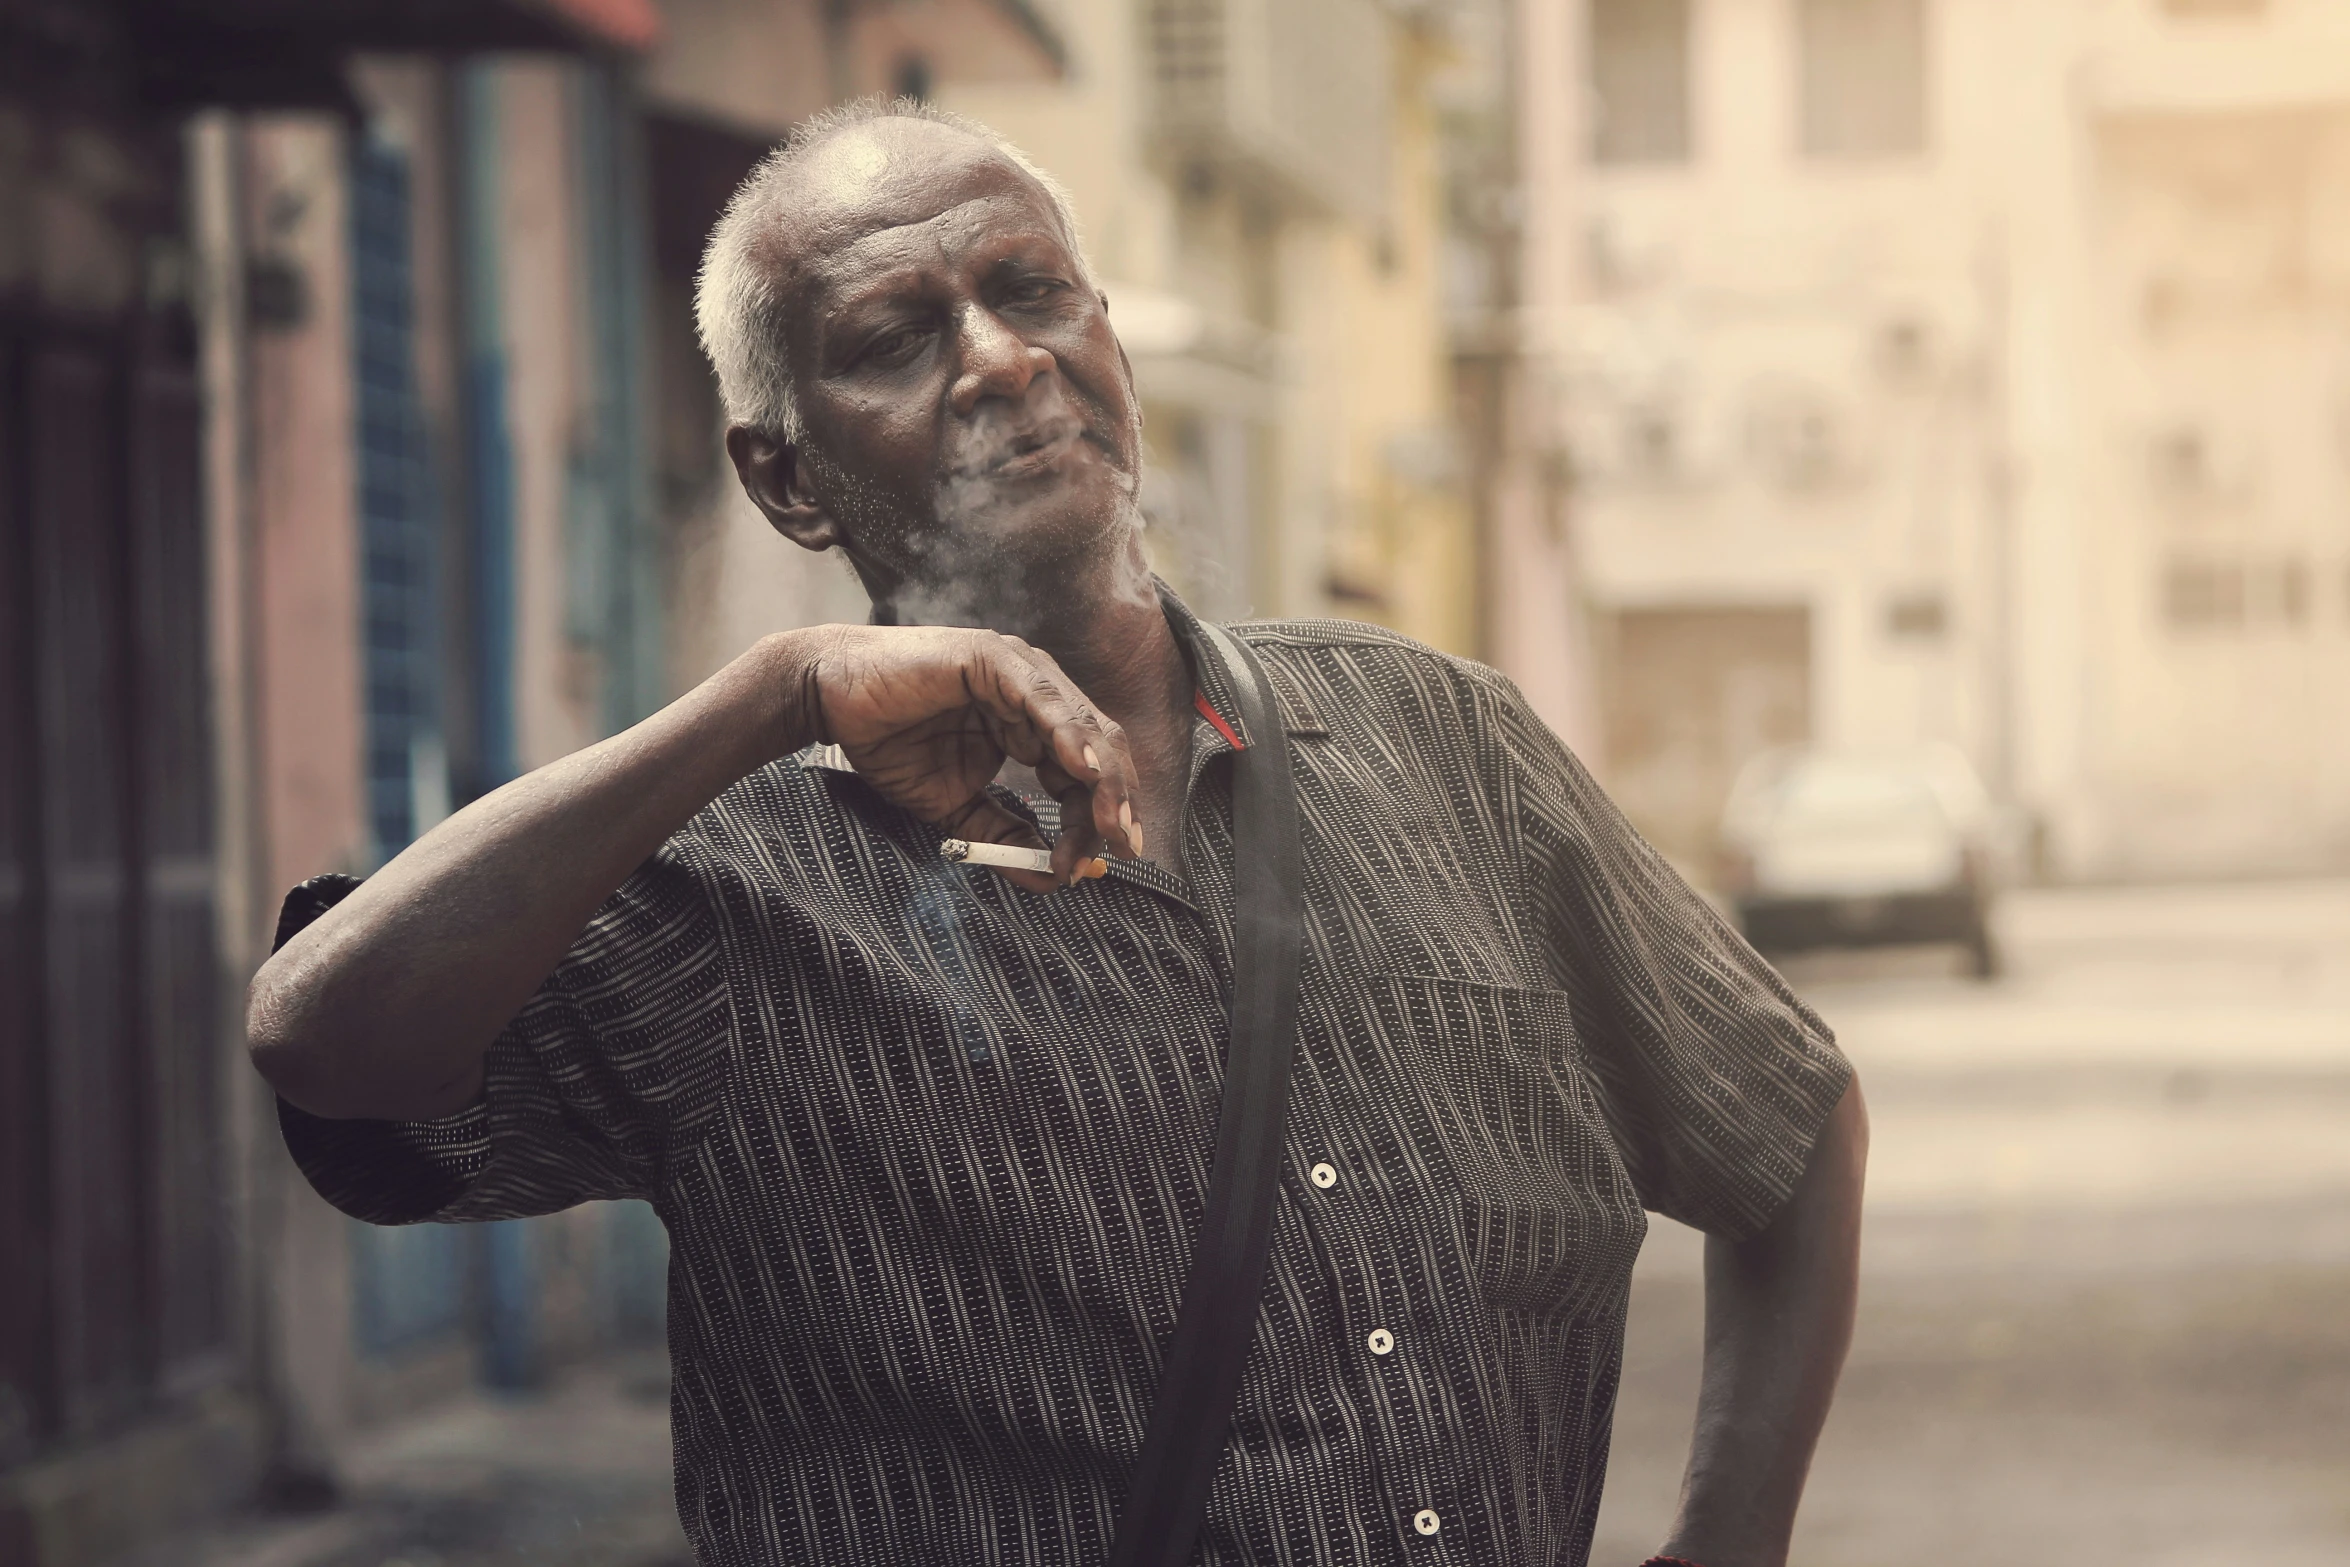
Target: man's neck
{"x": 1101, "y": 620}
{"x": 1124, "y": 657}
{"x": 1116, "y": 645}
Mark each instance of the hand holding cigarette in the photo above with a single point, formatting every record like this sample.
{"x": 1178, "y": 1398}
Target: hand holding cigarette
{"x": 927, "y": 716}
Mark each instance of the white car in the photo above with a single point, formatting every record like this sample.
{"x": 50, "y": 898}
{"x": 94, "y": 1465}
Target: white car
{"x": 1862, "y": 848}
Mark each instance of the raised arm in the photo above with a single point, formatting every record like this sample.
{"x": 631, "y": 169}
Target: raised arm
{"x": 387, "y": 1005}
{"x": 1778, "y": 1318}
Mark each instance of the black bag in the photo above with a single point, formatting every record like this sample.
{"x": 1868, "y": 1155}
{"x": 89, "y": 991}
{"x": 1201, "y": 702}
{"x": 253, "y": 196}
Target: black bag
{"x": 1185, "y": 1440}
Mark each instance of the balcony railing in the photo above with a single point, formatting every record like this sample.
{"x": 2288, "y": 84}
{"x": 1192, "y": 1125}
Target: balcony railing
{"x": 1289, "y": 96}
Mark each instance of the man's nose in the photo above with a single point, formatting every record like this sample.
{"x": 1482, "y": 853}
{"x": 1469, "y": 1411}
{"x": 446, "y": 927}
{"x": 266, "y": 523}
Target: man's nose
{"x": 996, "y": 361}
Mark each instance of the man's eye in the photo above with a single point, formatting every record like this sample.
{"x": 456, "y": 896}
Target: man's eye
{"x": 1029, "y": 291}
{"x": 896, "y": 345}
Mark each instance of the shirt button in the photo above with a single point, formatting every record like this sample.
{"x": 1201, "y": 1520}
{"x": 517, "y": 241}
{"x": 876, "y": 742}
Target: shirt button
{"x": 1426, "y": 1521}
{"x": 1323, "y": 1176}
{"x": 1381, "y": 1341}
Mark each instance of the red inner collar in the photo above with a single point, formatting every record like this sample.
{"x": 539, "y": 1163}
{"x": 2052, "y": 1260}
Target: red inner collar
{"x": 1207, "y": 710}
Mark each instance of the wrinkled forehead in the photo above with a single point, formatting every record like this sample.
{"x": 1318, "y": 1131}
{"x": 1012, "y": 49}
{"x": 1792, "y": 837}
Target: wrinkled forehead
{"x": 886, "y": 192}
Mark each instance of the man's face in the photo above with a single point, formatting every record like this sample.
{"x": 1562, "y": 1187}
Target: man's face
{"x": 970, "y": 421}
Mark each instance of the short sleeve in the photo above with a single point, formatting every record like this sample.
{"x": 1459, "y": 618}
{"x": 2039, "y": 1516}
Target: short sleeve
{"x": 1713, "y": 1077}
{"x": 619, "y": 1056}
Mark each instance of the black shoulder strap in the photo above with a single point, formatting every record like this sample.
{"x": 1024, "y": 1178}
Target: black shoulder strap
{"x": 1185, "y": 1440}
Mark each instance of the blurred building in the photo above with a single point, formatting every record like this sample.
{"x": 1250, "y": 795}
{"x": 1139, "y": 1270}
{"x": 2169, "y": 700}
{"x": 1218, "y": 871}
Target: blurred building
{"x": 1966, "y": 370}
{"x": 256, "y": 573}
{"x": 356, "y": 456}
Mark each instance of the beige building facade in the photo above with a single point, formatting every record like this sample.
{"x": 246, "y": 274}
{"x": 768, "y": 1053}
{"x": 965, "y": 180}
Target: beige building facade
{"x": 1963, "y": 371}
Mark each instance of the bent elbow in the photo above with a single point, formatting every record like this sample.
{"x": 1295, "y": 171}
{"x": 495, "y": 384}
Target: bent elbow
{"x": 288, "y": 1047}
{"x": 277, "y": 1050}
{"x": 324, "y": 1071}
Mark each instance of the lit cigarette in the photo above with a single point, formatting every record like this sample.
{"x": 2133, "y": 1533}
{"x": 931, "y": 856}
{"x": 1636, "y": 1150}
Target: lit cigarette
{"x": 1005, "y": 857}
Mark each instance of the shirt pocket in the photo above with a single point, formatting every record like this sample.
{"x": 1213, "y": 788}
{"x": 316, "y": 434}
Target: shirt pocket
{"x": 1396, "y": 882}
{"x": 1481, "y": 1116}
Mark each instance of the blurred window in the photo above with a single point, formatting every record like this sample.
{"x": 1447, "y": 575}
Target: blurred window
{"x": 397, "y": 516}
{"x": 1863, "y": 90}
{"x": 408, "y": 1282}
{"x": 2206, "y": 595}
{"x": 1924, "y": 616}
{"x": 1640, "y": 81}
{"x": 2198, "y": 593}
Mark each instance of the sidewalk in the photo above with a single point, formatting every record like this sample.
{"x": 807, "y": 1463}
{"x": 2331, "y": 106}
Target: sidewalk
{"x": 2106, "y": 1258}
{"x": 577, "y": 1475}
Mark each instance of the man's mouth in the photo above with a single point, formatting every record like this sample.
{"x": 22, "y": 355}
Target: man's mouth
{"x": 1023, "y": 454}
{"x": 1036, "y": 452}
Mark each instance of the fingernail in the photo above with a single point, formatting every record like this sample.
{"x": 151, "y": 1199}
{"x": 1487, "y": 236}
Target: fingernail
{"x": 1134, "y": 835}
{"x": 1092, "y": 760}
{"x": 1126, "y": 816}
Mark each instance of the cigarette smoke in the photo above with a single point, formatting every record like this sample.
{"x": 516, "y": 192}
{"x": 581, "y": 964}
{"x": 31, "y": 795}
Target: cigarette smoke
{"x": 986, "y": 557}
{"x": 938, "y": 940}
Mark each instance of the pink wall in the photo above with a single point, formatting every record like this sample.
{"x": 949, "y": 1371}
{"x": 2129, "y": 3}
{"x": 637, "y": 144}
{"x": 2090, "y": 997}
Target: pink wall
{"x": 1538, "y": 636}
{"x": 550, "y": 398}
{"x": 306, "y": 501}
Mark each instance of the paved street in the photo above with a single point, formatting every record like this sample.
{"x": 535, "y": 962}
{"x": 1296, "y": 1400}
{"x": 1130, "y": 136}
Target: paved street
{"x": 576, "y": 1477}
{"x": 2107, "y": 1312}
{"x": 2106, "y": 1315}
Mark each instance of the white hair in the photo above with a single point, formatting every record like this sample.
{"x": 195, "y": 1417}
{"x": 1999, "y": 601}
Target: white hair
{"x": 737, "y": 309}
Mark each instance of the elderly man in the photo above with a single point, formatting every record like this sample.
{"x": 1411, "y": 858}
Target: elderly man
{"x": 932, "y": 1142}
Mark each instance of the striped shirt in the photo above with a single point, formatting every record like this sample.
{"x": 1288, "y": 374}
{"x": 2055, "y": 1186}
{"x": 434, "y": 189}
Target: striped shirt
{"x": 931, "y": 1148}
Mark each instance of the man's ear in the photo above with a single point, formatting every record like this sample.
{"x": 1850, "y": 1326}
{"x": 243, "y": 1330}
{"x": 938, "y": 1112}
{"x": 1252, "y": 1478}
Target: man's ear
{"x": 770, "y": 471}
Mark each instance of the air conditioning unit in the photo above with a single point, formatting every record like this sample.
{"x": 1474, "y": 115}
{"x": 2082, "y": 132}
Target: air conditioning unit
{"x": 1289, "y": 95}
{"x": 1646, "y": 441}
{"x": 2193, "y": 460}
{"x": 1800, "y": 436}
{"x": 1662, "y": 442}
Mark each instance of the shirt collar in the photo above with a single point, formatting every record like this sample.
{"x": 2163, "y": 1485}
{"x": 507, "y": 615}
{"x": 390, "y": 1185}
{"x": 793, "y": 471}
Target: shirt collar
{"x": 1218, "y": 699}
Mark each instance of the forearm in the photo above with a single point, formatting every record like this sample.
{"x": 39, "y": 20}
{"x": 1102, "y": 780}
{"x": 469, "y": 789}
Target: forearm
{"x": 387, "y": 1005}
{"x": 1778, "y": 1318}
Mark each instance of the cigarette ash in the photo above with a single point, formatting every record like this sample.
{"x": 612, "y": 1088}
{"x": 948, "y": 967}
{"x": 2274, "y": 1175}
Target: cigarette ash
{"x": 938, "y": 918}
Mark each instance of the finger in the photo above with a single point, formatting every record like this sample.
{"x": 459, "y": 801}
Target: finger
{"x": 1112, "y": 809}
{"x": 1045, "y": 714}
{"x": 1055, "y": 700}
{"x": 1079, "y": 841}
{"x": 1078, "y": 822}
{"x": 1009, "y": 687}
{"x": 981, "y": 819}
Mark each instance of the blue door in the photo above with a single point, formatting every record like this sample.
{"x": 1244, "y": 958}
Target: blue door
{"x": 409, "y": 1284}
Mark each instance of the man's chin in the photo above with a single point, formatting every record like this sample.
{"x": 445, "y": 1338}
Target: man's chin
{"x": 1045, "y": 508}
{"x": 1027, "y": 563}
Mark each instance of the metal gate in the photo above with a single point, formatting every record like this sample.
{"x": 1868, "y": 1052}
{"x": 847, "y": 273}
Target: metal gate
{"x": 409, "y": 1284}
{"x": 111, "y": 1195}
